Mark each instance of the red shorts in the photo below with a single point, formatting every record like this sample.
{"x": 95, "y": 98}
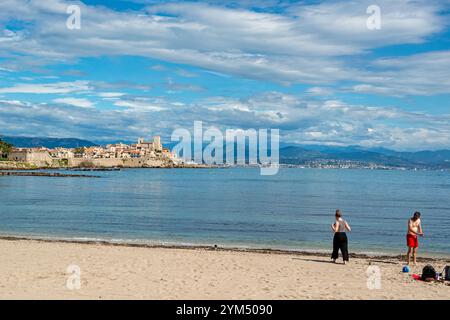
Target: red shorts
{"x": 412, "y": 241}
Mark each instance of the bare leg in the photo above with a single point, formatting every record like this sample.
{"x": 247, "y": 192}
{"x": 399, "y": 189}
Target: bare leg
{"x": 408, "y": 256}
{"x": 415, "y": 255}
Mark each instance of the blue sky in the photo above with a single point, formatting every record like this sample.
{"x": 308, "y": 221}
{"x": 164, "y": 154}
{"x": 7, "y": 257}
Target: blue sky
{"x": 314, "y": 70}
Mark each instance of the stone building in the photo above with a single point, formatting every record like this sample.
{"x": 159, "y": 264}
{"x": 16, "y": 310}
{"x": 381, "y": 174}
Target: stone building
{"x": 61, "y": 153}
{"x": 36, "y": 156}
{"x": 150, "y": 146}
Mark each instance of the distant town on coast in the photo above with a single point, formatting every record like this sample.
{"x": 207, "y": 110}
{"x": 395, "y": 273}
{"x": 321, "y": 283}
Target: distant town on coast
{"x": 140, "y": 154}
{"x": 35, "y": 152}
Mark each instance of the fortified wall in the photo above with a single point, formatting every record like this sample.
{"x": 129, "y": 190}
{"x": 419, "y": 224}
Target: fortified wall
{"x": 40, "y": 158}
{"x": 126, "y": 163}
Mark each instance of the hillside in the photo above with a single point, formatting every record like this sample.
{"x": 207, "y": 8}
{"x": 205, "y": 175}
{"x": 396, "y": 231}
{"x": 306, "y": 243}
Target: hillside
{"x": 34, "y": 142}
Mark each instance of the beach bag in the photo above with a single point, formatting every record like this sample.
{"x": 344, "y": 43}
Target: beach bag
{"x": 446, "y": 273}
{"x": 428, "y": 273}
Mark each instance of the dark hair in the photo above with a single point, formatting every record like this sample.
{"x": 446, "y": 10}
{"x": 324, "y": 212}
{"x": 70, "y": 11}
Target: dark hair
{"x": 416, "y": 215}
{"x": 338, "y": 213}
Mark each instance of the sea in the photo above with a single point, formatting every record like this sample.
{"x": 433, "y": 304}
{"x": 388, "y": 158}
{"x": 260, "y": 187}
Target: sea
{"x": 232, "y": 207}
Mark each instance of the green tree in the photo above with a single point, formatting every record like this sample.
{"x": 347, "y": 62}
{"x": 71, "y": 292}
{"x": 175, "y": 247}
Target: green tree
{"x": 79, "y": 150}
{"x": 5, "y": 148}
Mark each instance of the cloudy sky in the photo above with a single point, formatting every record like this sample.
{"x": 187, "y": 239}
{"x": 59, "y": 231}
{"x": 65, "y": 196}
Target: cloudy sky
{"x": 314, "y": 70}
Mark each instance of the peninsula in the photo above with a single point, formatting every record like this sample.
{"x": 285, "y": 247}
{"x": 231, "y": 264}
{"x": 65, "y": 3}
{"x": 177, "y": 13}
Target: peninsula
{"x": 143, "y": 154}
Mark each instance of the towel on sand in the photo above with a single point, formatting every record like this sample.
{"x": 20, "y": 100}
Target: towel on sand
{"x": 419, "y": 278}
{"x": 416, "y": 277}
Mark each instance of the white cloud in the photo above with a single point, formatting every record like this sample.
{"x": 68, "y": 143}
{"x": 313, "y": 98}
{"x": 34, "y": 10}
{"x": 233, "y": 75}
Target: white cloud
{"x": 304, "y": 43}
{"x": 319, "y": 91}
{"x": 6, "y": 69}
{"x": 77, "y": 102}
{"x": 48, "y": 88}
{"x": 186, "y": 74}
{"x": 140, "y": 104}
{"x": 110, "y": 94}
{"x": 299, "y": 121}
{"x": 419, "y": 74}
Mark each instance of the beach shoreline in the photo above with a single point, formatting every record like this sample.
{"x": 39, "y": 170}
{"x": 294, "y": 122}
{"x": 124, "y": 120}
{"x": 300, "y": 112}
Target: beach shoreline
{"x": 424, "y": 257}
{"x": 37, "y": 269}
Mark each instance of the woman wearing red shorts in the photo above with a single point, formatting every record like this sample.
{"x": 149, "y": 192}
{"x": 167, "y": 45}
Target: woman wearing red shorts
{"x": 412, "y": 241}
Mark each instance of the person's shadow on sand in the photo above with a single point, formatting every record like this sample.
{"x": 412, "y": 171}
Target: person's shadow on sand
{"x": 315, "y": 260}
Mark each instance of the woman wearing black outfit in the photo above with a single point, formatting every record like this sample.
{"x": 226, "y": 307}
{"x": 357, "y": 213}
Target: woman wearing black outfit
{"x": 340, "y": 241}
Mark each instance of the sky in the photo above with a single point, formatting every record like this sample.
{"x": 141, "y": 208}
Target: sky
{"x": 322, "y": 72}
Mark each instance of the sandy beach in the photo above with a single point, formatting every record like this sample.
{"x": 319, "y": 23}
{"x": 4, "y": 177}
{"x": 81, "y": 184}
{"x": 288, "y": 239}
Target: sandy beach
{"x": 33, "y": 269}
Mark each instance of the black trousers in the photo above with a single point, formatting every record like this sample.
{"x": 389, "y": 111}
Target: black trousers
{"x": 340, "y": 242}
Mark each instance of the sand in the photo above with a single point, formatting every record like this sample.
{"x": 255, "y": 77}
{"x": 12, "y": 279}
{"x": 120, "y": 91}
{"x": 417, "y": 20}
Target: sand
{"x": 32, "y": 269}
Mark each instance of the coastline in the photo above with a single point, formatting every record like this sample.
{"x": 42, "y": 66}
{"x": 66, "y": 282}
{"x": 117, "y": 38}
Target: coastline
{"x": 30, "y": 167}
{"x": 433, "y": 257}
{"x": 43, "y": 174}
{"x": 37, "y": 269}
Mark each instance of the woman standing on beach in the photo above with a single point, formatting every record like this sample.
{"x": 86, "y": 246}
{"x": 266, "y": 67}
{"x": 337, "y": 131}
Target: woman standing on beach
{"x": 340, "y": 241}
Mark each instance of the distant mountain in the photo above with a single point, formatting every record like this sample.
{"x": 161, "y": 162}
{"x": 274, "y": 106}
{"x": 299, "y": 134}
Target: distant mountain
{"x": 381, "y": 156}
{"x": 34, "y": 142}
{"x": 308, "y": 154}
{"x": 426, "y": 157}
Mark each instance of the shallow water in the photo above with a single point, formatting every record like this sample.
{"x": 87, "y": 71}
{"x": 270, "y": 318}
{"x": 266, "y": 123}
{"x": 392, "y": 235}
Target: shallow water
{"x": 233, "y": 207}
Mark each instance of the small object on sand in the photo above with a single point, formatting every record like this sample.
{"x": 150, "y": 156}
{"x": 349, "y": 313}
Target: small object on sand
{"x": 405, "y": 269}
{"x": 416, "y": 277}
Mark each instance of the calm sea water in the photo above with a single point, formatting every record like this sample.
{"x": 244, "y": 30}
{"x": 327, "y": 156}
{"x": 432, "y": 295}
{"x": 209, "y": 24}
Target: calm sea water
{"x": 232, "y": 207}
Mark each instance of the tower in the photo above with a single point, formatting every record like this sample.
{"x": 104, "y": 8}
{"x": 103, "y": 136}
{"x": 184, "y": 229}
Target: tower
{"x": 157, "y": 143}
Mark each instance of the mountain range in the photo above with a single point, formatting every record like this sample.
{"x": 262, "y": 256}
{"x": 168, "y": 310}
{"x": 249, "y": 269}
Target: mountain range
{"x": 35, "y": 142}
{"x": 439, "y": 159}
